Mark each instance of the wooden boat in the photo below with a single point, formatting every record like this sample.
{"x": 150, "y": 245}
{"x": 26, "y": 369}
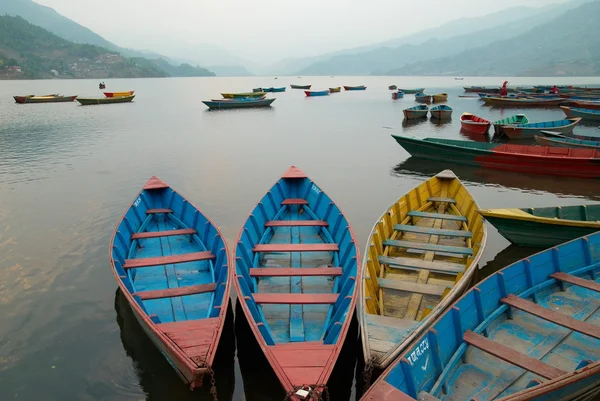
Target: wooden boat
{"x": 268, "y": 89}
{"x": 402, "y": 291}
{"x": 44, "y": 99}
{"x": 440, "y": 97}
{"x": 355, "y": 88}
{"x": 118, "y": 94}
{"x": 512, "y": 120}
{"x": 105, "y": 100}
{"x": 441, "y": 112}
{"x": 335, "y": 90}
{"x": 258, "y": 90}
{"x": 242, "y": 95}
{"x": 482, "y": 89}
{"x": 300, "y": 86}
{"x": 566, "y": 142}
{"x": 528, "y": 332}
{"x": 544, "y": 226}
{"x": 422, "y": 98}
{"x": 278, "y": 89}
{"x": 566, "y": 162}
{"x": 238, "y": 103}
{"x": 590, "y": 105}
{"x": 240, "y": 99}
{"x": 521, "y": 102}
{"x": 413, "y": 91}
{"x": 586, "y": 114}
{"x": 413, "y": 113}
{"x": 525, "y": 131}
{"x": 397, "y": 95}
{"x": 298, "y": 305}
{"x": 171, "y": 263}
{"x": 474, "y": 124}
{"x": 392, "y": 87}
{"x": 317, "y": 93}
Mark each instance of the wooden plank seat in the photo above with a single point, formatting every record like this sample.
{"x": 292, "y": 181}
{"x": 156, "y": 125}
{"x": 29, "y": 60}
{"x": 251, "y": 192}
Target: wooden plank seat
{"x": 177, "y": 292}
{"x": 294, "y": 201}
{"x": 441, "y": 216}
{"x": 167, "y": 233}
{"x": 295, "y": 299}
{"x": 157, "y": 211}
{"x": 296, "y": 223}
{"x": 578, "y": 281}
{"x": 441, "y": 200}
{"x": 433, "y": 231}
{"x": 295, "y": 271}
{"x": 296, "y": 248}
{"x": 429, "y": 247}
{"x": 167, "y": 260}
{"x": 553, "y": 316}
{"x": 420, "y": 264}
{"x": 409, "y": 286}
{"x": 513, "y": 357}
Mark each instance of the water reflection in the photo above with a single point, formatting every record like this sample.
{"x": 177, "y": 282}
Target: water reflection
{"x": 474, "y": 137}
{"x": 559, "y": 186}
{"x": 261, "y": 383}
{"x": 506, "y": 257}
{"x": 408, "y": 125}
{"x": 156, "y": 376}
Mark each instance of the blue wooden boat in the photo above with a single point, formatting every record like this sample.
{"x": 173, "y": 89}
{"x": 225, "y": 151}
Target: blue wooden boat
{"x": 528, "y": 332}
{"x": 397, "y": 95}
{"x": 413, "y": 113}
{"x": 586, "y": 114}
{"x": 422, "y": 98}
{"x": 280, "y": 89}
{"x": 240, "y": 103}
{"x": 530, "y": 130}
{"x": 412, "y": 91}
{"x": 566, "y": 142}
{"x": 441, "y": 112}
{"x": 268, "y": 89}
{"x": 171, "y": 263}
{"x": 297, "y": 272}
{"x": 317, "y": 93}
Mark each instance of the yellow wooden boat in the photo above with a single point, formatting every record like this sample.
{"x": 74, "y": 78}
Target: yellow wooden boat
{"x": 241, "y": 95}
{"x": 336, "y": 89}
{"x": 440, "y": 97}
{"x": 420, "y": 257}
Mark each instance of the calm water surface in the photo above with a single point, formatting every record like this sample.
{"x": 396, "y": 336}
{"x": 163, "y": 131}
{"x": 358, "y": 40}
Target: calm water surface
{"x": 68, "y": 172}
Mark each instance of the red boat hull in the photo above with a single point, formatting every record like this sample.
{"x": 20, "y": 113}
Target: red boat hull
{"x": 474, "y": 124}
{"x": 115, "y": 94}
{"x": 586, "y": 105}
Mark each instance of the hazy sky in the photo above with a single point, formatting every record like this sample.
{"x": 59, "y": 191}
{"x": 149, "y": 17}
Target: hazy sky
{"x": 270, "y": 29}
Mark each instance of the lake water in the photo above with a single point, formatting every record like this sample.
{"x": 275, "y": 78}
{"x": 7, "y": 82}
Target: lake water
{"x": 68, "y": 172}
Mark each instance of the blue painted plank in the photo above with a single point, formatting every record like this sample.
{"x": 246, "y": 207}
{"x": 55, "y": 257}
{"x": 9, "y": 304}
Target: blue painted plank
{"x": 437, "y": 216}
{"x": 296, "y": 318}
{"x": 433, "y": 231}
{"x": 418, "y": 264}
{"x": 429, "y": 247}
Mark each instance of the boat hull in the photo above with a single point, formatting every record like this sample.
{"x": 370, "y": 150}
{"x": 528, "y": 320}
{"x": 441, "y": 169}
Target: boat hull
{"x": 300, "y": 86}
{"x": 566, "y": 142}
{"x": 441, "y": 114}
{"x": 412, "y": 91}
{"x": 519, "y": 102}
{"x": 443, "y": 97}
{"x": 586, "y": 105}
{"x": 316, "y": 93}
{"x": 335, "y": 90}
{"x": 355, "y": 88}
{"x": 415, "y": 114}
{"x": 474, "y": 124}
{"x": 105, "y": 100}
{"x": 588, "y": 115}
{"x": 118, "y": 94}
{"x": 514, "y": 120}
{"x": 526, "y": 132}
{"x": 49, "y": 99}
{"x": 238, "y": 104}
{"x": 243, "y": 95}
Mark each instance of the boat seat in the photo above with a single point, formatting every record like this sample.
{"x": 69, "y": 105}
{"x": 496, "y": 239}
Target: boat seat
{"x": 177, "y": 292}
{"x": 552, "y": 316}
{"x": 294, "y": 202}
{"x": 513, "y": 357}
{"x": 295, "y": 299}
{"x": 427, "y": 215}
{"x": 296, "y": 248}
{"x": 409, "y": 286}
{"x": 295, "y": 271}
{"x": 419, "y": 264}
{"x": 581, "y": 282}
{"x": 443, "y": 200}
{"x": 167, "y": 233}
{"x": 156, "y": 211}
{"x": 429, "y": 247}
{"x": 167, "y": 260}
{"x": 296, "y": 223}
{"x": 433, "y": 231}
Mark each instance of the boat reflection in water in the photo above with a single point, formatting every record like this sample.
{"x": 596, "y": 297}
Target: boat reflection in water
{"x": 408, "y": 125}
{"x": 508, "y": 256}
{"x": 157, "y": 378}
{"x": 473, "y": 136}
{"x": 261, "y": 383}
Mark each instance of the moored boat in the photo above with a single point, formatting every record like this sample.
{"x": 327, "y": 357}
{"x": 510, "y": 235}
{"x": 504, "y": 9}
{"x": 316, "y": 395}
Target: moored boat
{"x": 512, "y": 120}
{"x": 118, "y": 94}
{"x": 413, "y": 113}
{"x": 565, "y": 142}
{"x": 297, "y": 279}
{"x": 267, "y": 89}
{"x": 242, "y": 95}
{"x": 335, "y": 90}
{"x": 278, "y": 89}
{"x": 257, "y": 90}
{"x": 412, "y": 91}
{"x": 586, "y": 114}
{"x": 105, "y": 100}
{"x": 397, "y": 95}
{"x": 529, "y": 130}
{"x": 567, "y": 162}
{"x": 243, "y": 103}
{"x": 544, "y": 226}
{"x": 441, "y": 112}
{"x": 317, "y": 93}
{"x": 392, "y": 87}
{"x": 171, "y": 263}
{"x": 582, "y": 104}
{"x": 474, "y": 124}
{"x": 300, "y": 86}
{"x": 440, "y": 97}
{"x": 521, "y": 102}
{"x": 44, "y": 99}
{"x": 513, "y": 331}
{"x": 422, "y": 98}
{"x": 403, "y": 291}
{"x": 482, "y": 89}
{"x": 355, "y": 88}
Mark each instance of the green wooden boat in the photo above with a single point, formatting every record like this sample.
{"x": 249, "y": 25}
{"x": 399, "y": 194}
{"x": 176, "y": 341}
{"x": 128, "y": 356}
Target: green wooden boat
{"x": 512, "y": 120}
{"x": 544, "y": 227}
{"x": 105, "y": 100}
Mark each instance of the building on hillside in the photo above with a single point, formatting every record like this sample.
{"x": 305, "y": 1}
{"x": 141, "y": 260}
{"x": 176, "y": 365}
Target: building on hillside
{"x": 14, "y": 68}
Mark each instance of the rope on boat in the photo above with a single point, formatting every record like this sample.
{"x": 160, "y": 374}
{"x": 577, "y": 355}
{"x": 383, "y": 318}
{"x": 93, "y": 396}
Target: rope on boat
{"x": 368, "y": 374}
{"x": 313, "y": 393}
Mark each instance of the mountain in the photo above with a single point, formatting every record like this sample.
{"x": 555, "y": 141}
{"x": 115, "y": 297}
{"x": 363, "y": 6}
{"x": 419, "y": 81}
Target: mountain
{"x": 230, "y": 71}
{"x": 567, "y": 45}
{"x": 183, "y": 70}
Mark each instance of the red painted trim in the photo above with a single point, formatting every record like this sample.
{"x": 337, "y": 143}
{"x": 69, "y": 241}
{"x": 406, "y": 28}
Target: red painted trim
{"x": 159, "y": 234}
{"x": 155, "y": 183}
{"x": 295, "y": 271}
{"x": 296, "y": 248}
{"x": 296, "y": 223}
{"x": 167, "y": 260}
{"x": 294, "y": 172}
{"x": 292, "y": 201}
{"x": 177, "y": 292}
{"x": 295, "y": 299}
{"x": 156, "y": 211}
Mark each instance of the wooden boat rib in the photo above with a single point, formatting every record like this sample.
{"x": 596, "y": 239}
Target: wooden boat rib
{"x": 300, "y": 86}
{"x": 243, "y": 95}
{"x": 238, "y": 103}
{"x": 544, "y": 226}
{"x": 530, "y": 130}
{"x": 317, "y": 93}
{"x": 512, "y": 120}
{"x": 118, "y": 94}
{"x": 566, "y": 162}
{"x": 441, "y": 112}
{"x": 413, "y": 113}
{"x": 521, "y": 102}
{"x": 44, "y": 99}
{"x": 586, "y": 114}
{"x": 297, "y": 273}
{"x": 171, "y": 263}
{"x": 474, "y": 124}
{"x": 403, "y": 291}
{"x": 528, "y": 332}
{"x": 105, "y": 100}
{"x": 566, "y": 142}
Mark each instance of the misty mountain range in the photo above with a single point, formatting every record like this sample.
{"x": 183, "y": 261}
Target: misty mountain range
{"x": 516, "y": 41}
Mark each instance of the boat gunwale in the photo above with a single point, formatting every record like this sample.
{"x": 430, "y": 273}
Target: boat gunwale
{"x": 525, "y": 216}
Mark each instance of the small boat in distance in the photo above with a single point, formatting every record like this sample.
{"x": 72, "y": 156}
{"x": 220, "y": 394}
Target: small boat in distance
{"x": 565, "y": 142}
{"x": 441, "y": 112}
{"x": 44, "y": 99}
{"x": 586, "y": 114}
{"x": 412, "y": 91}
{"x": 300, "y": 86}
{"x": 397, "y": 95}
{"x": 255, "y": 90}
{"x": 317, "y": 93}
{"x": 528, "y": 131}
{"x": 413, "y": 113}
{"x": 422, "y": 98}
{"x": 118, "y": 94}
{"x": 242, "y": 95}
{"x": 355, "y": 88}
{"x": 335, "y": 90}
{"x": 474, "y": 124}
{"x": 278, "y": 89}
{"x": 105, "y": 100}
{"x": 392, "y": 87}
{"x": 440, "y": 97}
{"x": 244, "y": 103}
{"x": 521, "y": 102}
{"x": 582, "y": 104}
{"x": 512, "y": 120}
